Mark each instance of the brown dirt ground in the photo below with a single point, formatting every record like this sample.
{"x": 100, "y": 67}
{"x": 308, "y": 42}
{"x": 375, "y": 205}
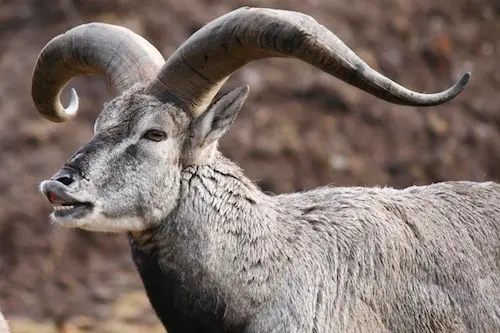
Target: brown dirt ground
{"x": 300, "y": 128}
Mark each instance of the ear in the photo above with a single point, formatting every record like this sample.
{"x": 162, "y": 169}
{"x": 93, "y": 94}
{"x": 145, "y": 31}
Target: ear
{"x": 206, "y": 130}
{"x": 212, "y": 124}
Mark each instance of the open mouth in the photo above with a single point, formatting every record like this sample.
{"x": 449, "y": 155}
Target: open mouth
{"x": 64, "y": 203}
{"x": 74, "y": 210}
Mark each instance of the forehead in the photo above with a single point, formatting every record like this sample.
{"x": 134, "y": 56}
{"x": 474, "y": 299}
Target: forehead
{"x": 134, "y": 110}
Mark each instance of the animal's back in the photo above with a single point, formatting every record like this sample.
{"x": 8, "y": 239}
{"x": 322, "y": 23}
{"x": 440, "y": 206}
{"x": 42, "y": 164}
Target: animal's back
{"x": 422, "y": 259}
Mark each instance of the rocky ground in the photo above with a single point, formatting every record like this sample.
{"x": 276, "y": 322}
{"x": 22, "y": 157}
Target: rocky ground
{"x": 299, "y": 128}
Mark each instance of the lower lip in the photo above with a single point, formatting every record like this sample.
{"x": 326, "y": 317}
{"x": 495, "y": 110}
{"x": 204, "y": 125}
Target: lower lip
{"x": 78, "y": 211}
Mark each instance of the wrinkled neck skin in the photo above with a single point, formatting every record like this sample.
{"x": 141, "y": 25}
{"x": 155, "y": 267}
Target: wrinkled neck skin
{"x": 214, "y": 252}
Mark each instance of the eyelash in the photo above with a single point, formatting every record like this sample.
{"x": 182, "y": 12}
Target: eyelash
{"x": 155, "y": 135}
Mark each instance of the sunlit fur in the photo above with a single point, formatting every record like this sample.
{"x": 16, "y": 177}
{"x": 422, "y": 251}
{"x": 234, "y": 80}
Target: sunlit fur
{"x": 216, "y": 254}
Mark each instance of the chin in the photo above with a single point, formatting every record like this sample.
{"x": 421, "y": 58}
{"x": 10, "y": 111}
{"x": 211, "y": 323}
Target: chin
{"x": 96, "y": 221}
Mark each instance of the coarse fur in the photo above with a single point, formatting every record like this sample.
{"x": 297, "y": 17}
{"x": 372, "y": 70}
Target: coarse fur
{"x": 216, "y": 254}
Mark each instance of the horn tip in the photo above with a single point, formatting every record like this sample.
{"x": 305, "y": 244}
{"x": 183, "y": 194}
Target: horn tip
{"x": 461, "y": 84}
{"x": 74, "y": 103}
{"x": 62, "y": 114}
{"x": 464, "y": 80}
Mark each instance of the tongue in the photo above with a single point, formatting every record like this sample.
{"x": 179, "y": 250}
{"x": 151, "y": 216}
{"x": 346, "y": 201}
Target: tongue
{"x": 54, "y": 199}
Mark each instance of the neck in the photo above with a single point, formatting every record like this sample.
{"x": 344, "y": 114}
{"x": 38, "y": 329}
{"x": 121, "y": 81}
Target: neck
{"x": 221, "y": 213}
{"x": 223, "y": 239}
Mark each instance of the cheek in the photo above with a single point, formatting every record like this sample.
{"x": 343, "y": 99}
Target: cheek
{"x": 162, "y": 195}
{"x": 141, "y": 180}
{"x": 169, "y": 151}
{"x": 148, "y": 191}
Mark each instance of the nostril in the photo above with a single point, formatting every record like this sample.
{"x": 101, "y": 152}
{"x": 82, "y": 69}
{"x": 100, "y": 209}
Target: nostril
{"x": 66, "y": 176}
{"x": 65, "y": 179}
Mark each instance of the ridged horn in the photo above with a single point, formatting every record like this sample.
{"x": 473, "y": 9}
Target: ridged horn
{"x": 193, "y": 75}
{"x": 120, "y": 55}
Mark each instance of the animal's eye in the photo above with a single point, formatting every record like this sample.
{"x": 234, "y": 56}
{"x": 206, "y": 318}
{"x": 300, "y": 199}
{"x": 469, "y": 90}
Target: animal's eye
{"x": 155, "y": 135}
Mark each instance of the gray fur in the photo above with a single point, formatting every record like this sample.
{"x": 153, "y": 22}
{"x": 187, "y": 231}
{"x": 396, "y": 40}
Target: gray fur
{"x": 331, "y": 259}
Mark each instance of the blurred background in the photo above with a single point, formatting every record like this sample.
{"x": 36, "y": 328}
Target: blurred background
{"x": 300, "y": 128}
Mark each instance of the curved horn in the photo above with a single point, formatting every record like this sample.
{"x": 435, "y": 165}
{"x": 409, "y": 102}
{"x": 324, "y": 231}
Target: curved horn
{"x": 115, "y": 52}
{"x": 196, "y": 71}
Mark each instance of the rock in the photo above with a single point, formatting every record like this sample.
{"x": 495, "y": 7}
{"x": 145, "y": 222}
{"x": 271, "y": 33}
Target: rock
{"x": 4, "y": 325}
